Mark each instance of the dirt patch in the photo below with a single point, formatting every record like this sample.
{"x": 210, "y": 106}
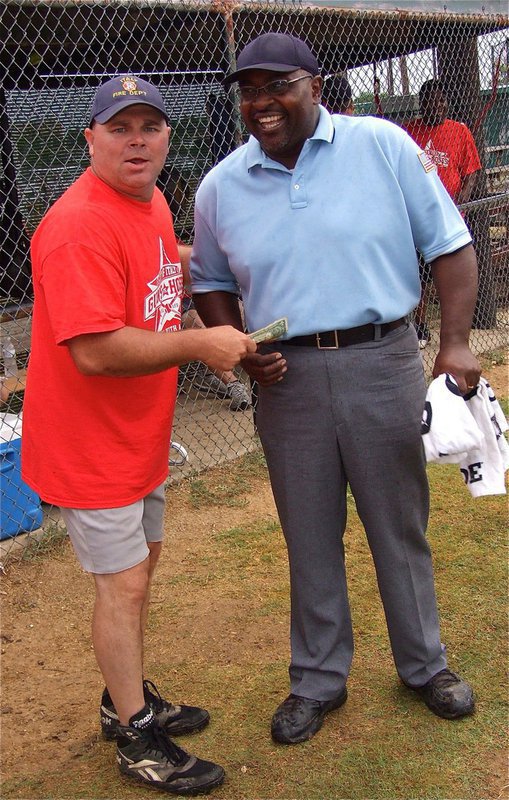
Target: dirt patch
{"x": 51, "y": 685}
{"x": 498, "y": 783}
{"x": 498, "y": 376}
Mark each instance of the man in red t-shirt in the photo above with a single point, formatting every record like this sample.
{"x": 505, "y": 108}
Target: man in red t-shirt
{"x": 451, "y": 147}
{"x": 98, "y": 411}
{"x": 449, "y": 144}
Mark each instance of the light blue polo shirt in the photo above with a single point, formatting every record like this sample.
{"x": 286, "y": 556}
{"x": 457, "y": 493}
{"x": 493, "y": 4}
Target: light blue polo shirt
{"x": 331, "y": 243}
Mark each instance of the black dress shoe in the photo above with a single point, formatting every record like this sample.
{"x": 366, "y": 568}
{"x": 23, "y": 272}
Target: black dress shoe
{"x": 447, "y": 695}
{"x": 299, "y": 718}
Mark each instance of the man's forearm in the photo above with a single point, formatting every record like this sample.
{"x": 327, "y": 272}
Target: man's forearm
{"x": 218, "y": 308}
{"x": 129, "y": 352}
{"x": 466, "y": 188}
{"x": 185, "y": 258}
{"x": 455, "y": 279}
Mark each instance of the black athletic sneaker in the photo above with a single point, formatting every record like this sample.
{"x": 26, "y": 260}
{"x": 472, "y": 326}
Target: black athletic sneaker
{"x": 175, "y": 720}
{"x": 149, "y": 756}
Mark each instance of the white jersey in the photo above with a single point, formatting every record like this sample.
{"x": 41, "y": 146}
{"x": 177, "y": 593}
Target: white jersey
{"x": 468, "y": 431}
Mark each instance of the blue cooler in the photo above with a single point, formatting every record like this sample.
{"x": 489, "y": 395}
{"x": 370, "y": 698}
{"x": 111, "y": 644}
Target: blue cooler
{"x": 20, "y": 507}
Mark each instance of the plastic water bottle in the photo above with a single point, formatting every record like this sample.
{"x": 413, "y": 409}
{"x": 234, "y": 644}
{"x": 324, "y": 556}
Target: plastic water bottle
{"x": 9, "y": 358}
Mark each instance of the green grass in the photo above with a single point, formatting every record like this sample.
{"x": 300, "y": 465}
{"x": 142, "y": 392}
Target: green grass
{"x": 231, "y": 490}
{"x": 494, "y": 358}
{"x": 231, "y": 496}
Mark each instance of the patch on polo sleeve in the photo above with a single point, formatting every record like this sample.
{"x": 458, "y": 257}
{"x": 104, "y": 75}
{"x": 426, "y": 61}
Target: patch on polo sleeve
{"x": 427, "y": 163}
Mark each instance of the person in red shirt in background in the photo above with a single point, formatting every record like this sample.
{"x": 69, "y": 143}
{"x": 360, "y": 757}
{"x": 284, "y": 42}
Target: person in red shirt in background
{"x": 451, "y": 147}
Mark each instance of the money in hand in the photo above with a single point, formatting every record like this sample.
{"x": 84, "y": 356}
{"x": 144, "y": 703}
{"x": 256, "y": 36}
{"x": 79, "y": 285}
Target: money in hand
{"x": 270, "y": 332}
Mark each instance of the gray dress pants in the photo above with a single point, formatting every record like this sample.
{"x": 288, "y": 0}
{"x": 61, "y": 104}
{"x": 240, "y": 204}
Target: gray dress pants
{"x": 352, "y": 416}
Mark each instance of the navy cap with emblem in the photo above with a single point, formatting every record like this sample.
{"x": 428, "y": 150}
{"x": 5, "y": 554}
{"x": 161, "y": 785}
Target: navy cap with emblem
{"x": 121, "y": 92}
{"x": 276, "y": 52}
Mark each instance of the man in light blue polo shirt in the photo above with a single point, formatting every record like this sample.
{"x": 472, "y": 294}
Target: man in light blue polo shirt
{"x": 317, "y": 219}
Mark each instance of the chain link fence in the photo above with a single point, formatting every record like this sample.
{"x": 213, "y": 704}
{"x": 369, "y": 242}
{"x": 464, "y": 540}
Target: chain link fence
{"x": 55, "y": 54}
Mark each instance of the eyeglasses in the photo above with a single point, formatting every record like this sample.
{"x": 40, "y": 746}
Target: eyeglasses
{"x": 272, "y": 89}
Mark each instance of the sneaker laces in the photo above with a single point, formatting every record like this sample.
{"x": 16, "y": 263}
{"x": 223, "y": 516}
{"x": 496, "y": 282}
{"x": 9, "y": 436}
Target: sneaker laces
{"x": 162, "y": 745}
{"x": 154, "y": 699}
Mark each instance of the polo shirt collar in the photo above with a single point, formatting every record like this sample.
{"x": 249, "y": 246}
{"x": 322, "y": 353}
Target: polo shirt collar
{"x": 324, "y": 131}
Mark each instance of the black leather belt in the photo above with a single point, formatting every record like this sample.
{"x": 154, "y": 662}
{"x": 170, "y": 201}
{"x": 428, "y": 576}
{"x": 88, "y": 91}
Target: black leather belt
{"x": 333, "y": 340}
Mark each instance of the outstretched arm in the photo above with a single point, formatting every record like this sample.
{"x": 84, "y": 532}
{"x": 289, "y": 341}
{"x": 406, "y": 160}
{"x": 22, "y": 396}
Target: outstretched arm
{"x": 132, "y": 351}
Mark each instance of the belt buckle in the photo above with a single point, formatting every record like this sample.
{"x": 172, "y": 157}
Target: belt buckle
{"x": 334, "y": 346}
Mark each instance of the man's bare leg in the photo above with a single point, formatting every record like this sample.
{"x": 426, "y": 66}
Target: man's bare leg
{"x": 155, "y": 551}
{"x": 120, "y": 610}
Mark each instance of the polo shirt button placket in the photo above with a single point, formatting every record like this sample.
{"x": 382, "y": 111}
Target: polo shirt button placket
{"x": 298, "y": 194}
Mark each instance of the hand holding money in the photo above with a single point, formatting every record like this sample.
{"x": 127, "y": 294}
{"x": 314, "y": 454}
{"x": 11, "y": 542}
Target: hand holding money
{"x": 270, "y": 332}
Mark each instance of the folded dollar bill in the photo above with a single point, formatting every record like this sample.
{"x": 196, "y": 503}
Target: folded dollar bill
{"x": 270, "y": 332}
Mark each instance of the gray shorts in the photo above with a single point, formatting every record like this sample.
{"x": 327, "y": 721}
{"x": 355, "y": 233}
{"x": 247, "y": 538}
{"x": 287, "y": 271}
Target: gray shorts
{"x": 109, "y": 540}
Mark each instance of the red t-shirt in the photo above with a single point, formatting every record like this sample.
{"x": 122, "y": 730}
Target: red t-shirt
{"x": 101, "y": 261}
{"x": 451, "y": 147}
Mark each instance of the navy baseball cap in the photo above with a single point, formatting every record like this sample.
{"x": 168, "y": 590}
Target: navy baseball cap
{"x": 277, "y": 52}
{"x": 121, "y": 92}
